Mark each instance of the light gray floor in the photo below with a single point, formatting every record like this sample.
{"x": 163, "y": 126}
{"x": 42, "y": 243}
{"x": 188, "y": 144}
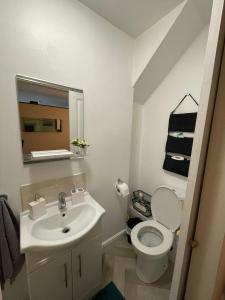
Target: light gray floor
{"x": 119, "y": 267}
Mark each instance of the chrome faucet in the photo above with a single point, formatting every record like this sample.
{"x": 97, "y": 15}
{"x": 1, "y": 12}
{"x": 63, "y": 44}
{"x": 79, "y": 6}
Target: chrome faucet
{"x": 62, "y": 201}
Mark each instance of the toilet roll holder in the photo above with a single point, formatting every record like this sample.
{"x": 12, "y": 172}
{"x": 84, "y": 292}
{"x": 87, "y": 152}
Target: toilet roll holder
{"x": 119, "y": 181}
{"x": 117, "y": 184}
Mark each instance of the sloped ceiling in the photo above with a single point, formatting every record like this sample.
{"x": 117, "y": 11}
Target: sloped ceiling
{"x": 205, "y": 8}
{"x": 132, "y": 16}
{"x": 136, "y": 16}
{"x": 182, "y": 33}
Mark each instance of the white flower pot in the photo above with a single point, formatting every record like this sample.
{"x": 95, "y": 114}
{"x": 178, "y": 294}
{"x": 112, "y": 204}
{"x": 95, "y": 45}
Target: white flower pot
{"x": 80, "y": 152}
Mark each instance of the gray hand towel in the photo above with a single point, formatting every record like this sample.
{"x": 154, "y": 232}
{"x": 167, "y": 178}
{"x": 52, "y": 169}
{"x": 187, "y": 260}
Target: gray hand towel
{"x": 11, "y": 259}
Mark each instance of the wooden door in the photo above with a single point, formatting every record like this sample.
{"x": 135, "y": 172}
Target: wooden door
{"x": 219, "y": 289}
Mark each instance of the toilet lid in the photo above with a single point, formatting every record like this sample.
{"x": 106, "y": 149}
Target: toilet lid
{"x": 166, "y": 207}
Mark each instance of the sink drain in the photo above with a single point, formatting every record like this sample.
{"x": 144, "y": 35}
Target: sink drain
{"x": 66, "y": 230}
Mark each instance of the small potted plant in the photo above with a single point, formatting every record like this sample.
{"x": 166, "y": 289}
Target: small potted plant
{"x": 80, "y": 147}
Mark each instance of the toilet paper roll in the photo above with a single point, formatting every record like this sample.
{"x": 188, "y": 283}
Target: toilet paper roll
{"x": 122, "y": 189}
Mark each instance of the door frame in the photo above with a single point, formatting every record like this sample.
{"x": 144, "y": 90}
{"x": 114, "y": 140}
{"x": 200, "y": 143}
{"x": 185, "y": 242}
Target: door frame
{"x": 212, "y": 64}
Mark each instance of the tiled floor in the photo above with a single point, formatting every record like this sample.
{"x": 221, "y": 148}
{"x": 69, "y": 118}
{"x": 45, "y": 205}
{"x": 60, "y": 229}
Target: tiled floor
{"x": 119, "y": 267}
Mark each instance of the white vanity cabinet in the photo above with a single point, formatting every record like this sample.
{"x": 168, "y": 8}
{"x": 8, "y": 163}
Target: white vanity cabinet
{"x": 53, "y": 280}
{"x": 86, "y": 268}
{"x": 71, "y": 273}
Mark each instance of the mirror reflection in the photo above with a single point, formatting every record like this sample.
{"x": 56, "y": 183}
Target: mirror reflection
{"x": 51, "y": 116}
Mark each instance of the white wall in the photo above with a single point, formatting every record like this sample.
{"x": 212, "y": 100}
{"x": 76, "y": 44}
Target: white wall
{"x": 146, "y": 44}
{"x": 135, "y": 145}
{"x": 186, "y": 76}
{"x": 64, "y": 42}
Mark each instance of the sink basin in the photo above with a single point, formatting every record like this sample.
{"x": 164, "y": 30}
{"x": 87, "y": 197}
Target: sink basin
{"x": 61, "y": 226}
{"x": 57, "y": 228}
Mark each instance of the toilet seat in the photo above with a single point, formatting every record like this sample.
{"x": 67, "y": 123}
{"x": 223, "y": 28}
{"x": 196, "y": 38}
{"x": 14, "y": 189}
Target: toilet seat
{"x": 167, "y": 212}
{"x": 167, "y": 207}
{"x": 166, "y": 238}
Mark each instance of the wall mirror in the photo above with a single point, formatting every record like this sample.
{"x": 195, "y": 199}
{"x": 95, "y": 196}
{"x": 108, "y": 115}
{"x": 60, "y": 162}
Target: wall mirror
{"x": 51, "y": 116}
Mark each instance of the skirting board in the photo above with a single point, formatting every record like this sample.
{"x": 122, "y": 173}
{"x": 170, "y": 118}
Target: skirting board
{"x": 107, "y": 244}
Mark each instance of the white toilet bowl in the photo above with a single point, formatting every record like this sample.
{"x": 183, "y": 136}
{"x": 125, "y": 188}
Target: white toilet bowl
{"x": 153, "y": 239}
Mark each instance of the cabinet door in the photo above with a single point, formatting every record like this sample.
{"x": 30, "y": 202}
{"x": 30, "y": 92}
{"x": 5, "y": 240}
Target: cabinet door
{"x": 87, "y": 268}
{"x": 52, "y": 281}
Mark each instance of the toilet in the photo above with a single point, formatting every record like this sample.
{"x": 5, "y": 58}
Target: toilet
{"x": 153, "y": 239}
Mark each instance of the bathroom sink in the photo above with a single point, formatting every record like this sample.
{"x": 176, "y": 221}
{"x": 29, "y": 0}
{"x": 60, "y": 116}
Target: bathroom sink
{"x": 58, "y": 229}
{"x": 64, "y": 225}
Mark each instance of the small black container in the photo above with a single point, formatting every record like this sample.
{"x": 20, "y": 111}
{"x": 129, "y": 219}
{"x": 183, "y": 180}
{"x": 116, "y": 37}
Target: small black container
{"x": 176, "y": 166}
{"x": 130, "y": 225}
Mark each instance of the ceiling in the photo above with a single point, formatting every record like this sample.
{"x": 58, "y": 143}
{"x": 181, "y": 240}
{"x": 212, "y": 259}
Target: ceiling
{"x": 132, "y": 16}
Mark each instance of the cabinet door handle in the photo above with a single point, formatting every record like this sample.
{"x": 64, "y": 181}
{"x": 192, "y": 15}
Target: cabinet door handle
{"x": 80, "y": 266}
{"x": 65, "y": 274}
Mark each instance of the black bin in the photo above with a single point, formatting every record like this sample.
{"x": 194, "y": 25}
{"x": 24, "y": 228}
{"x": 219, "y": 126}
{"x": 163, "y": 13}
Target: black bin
{"x": 130, "y": 225}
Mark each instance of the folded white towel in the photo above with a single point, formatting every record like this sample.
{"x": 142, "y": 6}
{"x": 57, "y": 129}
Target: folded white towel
{"x": 48, "y": 154}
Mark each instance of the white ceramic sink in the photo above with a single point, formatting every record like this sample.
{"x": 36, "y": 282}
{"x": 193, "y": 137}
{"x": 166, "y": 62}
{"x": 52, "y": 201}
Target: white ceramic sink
{"x": 58, "y": 229}
{"x": 62, "y": 226}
